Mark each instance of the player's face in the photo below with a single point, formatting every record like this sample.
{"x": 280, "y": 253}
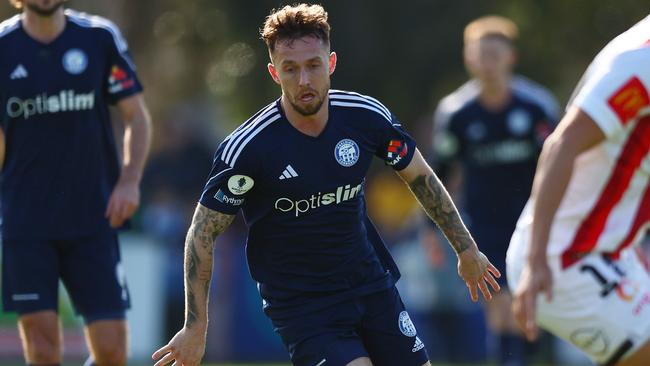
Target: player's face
{"x": 43, "y": 7}
{"x": 489, "y": 59}
{"x": 302, "y": 68}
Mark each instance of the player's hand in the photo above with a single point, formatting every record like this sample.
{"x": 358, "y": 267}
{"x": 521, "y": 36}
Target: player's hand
{"x": 477, "y": 272}
{"x": 185, "y": 349}
{"x": 535, "y": 278}
{"x": 124, "y": 201}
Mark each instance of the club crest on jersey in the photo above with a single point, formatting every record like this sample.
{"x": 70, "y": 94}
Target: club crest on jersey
{"x": 240, "y": 184}
{"x": 75, "y": 61}
{"x": 519, "y": 122}
{"x": 406, "y": 326}
{"x": 346, "y": 152}
{"x": 396, "y": 151}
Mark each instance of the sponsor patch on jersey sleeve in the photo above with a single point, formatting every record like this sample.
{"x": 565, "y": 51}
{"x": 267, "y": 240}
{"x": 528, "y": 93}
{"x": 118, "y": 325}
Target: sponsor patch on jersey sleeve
{"x": 119, "y": 80}
{"x": 627, "y": 101}
{"x": 239, "y": 184}
{"x": 396, "y": 151}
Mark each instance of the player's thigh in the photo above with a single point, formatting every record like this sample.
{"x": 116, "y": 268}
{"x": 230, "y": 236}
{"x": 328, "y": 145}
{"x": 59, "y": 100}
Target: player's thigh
{"x": 107, "y": 341}
{"x": 93, "y": 275}
{"x": 361, "y": 361}
{"x": 601, "y": 306}
{"x": 40, "y": 333}
{"x": 326, "y": 337}
{"x": 30, "y": 276}
{"x": 389, "y": 335}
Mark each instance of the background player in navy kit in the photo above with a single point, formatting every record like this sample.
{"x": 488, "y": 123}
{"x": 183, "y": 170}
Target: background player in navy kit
{"x": 63, "y": 191}
{"x": 297, "y": 171}
{"x": 488, "y": 135}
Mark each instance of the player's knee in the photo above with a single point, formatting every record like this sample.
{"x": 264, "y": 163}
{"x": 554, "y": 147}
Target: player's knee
{"x": 110, "y": 355}
{"x": 40, "y": 339}
{"x": 41, "y": 349}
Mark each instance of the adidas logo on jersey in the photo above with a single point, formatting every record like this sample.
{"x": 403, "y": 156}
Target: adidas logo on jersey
{"x": 65, "y": 100}
{"x": 288, "y": 172}
{"x": 19, "y": 72}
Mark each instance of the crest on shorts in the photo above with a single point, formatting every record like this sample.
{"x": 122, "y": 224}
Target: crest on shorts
{"x": 406, "y": 326}
{"x": 346, "y": 152}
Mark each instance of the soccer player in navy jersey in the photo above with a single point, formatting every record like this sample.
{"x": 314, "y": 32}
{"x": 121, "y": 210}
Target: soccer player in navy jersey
{"x": 488, "y": 135}
{"x": 64, "y": 191}
{"x": 297, "y": 171}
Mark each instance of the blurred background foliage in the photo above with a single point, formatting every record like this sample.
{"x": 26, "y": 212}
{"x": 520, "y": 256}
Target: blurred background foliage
{"x": 207, "y": 54}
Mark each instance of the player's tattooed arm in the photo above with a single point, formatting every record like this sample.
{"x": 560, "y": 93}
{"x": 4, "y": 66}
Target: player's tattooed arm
{"x": 206, "y": 225}
{"x": 436, "y": 201}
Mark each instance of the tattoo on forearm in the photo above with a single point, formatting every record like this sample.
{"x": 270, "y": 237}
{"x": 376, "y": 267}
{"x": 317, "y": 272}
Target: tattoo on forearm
{"x": 435, "y": 200}
{"x": 199, "y": 247}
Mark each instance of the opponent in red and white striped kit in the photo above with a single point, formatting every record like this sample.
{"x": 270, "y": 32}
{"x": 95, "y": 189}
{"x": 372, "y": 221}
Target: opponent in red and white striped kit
{"x": 590, "y": 205}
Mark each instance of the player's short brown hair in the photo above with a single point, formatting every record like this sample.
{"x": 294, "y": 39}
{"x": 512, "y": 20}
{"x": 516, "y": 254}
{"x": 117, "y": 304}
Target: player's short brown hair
{"x": 491, "y": 26}
{"x": 293, "y": 22}
{"x": 18, "y": 4}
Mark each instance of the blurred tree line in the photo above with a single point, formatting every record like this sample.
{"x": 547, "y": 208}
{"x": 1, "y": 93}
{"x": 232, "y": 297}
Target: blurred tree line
{"x": 406, "y": 53}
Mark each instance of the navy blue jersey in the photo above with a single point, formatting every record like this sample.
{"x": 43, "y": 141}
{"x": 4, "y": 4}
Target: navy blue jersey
{"x": 61, "y": 162}
{"x": 498, "y": 152}
{"x": 310, "y": 242}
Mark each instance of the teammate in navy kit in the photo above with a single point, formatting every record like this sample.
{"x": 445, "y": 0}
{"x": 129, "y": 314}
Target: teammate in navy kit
{"x": 297, "y": 171}
{"x": 488, "y": 135}
{"x": 64, "y": 192}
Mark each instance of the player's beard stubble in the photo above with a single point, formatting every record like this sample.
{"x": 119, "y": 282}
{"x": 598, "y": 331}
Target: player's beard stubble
{"x": 311, "y": 108}
{"x": 44, "y": 8}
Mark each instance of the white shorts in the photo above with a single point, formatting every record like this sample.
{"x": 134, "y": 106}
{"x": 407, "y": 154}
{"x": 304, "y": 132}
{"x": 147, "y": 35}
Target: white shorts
{"x": 600, "y": 305}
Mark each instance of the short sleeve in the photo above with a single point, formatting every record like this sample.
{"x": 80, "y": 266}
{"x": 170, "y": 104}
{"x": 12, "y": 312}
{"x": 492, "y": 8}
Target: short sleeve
{"x": 612, "y": 98}
{"x": 396, "y": 147}
{"x": 228, "y": 185}
{"x": 121, "y": 79}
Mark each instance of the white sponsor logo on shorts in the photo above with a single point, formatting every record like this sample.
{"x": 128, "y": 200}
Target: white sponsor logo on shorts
{"x": 418, "y": 345}
{"x": 592, "y": 340}
{"x": 25, "y": 297}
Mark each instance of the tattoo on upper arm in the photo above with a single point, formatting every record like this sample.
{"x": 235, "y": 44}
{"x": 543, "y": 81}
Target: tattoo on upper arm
{"x": 438, "y": 204}
{"x": 199, "y": 246}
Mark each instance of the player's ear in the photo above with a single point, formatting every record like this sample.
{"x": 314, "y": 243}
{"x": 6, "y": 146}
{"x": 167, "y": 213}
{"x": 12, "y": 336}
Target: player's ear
{"x": 274, "y": 72}
{"x": 332, "y": 62}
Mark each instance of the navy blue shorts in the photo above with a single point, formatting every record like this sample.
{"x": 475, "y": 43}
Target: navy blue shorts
{"x": 375, "y": 326}
{"x": 89, "y": 268}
